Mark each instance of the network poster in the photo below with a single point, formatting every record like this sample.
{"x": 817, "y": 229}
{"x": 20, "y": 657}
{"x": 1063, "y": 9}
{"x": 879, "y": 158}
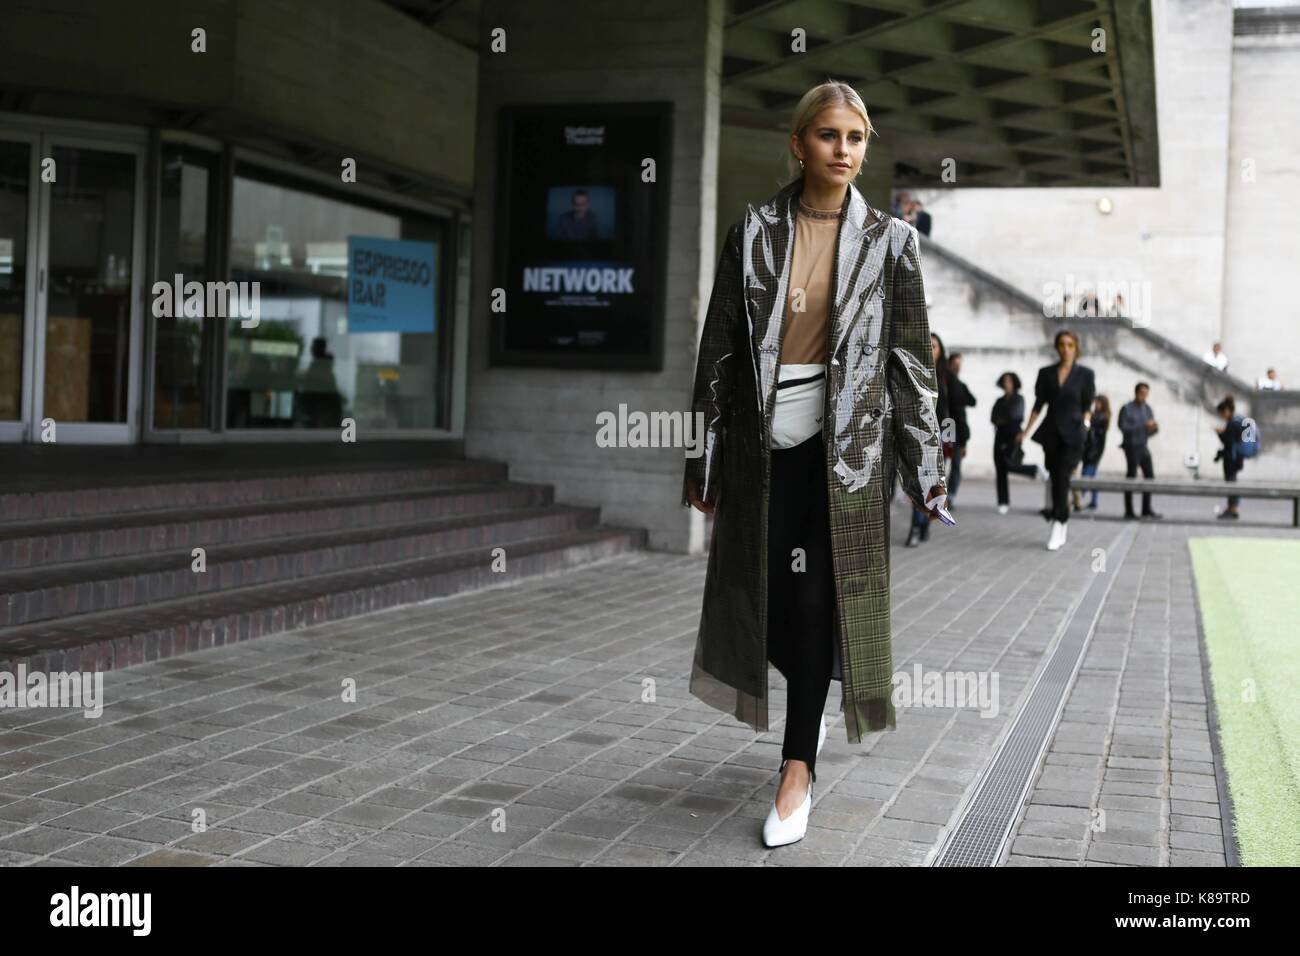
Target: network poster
{"x": 582, "y": 227}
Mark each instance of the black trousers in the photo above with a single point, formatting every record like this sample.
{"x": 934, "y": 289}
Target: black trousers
{"x": 801, "y": 592}
{"x": 1002, "y": 448}
{"x": 1138, "y": 459}
{"x": 1230, "y": 470}
{"x": 1061, "y": 461}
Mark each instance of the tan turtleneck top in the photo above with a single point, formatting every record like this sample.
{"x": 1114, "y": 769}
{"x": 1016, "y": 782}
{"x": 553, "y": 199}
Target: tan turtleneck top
{"x": 801, "y": 387}
{"x": 804, "y": 338}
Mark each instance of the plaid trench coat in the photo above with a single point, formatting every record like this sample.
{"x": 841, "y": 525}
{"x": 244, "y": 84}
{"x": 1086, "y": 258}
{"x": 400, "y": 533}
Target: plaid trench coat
{"x": 879, "y": 418}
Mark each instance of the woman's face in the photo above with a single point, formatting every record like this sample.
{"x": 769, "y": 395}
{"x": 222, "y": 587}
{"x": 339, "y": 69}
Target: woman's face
{"x": 1006, "y": 384}
{"x": 934, "y": 350}
{"x": 1065, "y": 348}
{"x": 832, "y": 146}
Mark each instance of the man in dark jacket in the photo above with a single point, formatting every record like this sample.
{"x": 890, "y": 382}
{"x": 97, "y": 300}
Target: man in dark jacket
{"x": 1137, "y": 423}
{"x": 959, "y": 399}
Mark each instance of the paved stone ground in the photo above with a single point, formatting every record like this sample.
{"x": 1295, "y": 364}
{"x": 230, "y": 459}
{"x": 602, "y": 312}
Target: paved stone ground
{"x": 1134, "y": 738}
{"x": 512, "y": 726}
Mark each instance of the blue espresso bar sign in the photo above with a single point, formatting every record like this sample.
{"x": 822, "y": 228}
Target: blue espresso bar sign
{"x": 391, "y": 285}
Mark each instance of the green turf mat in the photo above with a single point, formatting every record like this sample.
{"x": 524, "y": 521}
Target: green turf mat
{"x": 1249, "y": 595}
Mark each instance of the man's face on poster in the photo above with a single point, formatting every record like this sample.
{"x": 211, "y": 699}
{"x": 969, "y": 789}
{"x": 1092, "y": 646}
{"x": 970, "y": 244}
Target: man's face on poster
{"x": 580, "y": 203}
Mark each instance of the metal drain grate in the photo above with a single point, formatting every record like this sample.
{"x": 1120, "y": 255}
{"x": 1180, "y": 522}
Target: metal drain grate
{"x": 985, "y": 822}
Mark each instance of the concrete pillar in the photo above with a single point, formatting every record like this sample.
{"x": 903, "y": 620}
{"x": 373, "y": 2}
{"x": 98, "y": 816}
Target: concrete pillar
{"x": 877, "y": 177}
{"x": 542, "y": 422}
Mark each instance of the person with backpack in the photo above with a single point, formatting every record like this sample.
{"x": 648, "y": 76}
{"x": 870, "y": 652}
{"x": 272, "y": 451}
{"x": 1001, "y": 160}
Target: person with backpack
{"x": 1236, "y": 449}
{"x": 1093, "y": 447}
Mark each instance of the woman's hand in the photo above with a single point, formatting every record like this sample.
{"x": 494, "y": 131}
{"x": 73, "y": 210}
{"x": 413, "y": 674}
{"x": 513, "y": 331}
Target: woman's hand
{"x": 693, "y": 493}
{"x": 1020, "y": 437}
{"x": 934, "y": 500}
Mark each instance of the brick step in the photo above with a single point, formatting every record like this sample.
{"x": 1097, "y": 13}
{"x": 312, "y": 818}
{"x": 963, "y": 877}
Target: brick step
{"x": 44, "y": 594}
{"x": 119, "y": 638}
{"x": 233, "y": 487}
{"x": 40, "y": 543}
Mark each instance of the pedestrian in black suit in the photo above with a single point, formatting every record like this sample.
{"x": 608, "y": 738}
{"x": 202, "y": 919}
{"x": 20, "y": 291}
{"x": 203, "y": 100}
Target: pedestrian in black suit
{"x": 1067, "y": 389}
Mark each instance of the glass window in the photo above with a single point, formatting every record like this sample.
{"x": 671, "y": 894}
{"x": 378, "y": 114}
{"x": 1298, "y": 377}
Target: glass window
{"x": 14, "y": 172}
{"x": 301, "y": 367}
{"x": 181, "y": 368}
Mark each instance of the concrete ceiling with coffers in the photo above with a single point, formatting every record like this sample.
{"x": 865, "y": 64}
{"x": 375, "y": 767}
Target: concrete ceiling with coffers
{"x": 1011, "y": 90}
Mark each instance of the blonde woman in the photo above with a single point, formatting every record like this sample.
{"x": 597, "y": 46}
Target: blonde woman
{"x": 816, "y": 381}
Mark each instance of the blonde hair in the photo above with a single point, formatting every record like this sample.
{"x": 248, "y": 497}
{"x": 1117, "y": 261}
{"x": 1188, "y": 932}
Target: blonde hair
{"x": 825, "y": 95}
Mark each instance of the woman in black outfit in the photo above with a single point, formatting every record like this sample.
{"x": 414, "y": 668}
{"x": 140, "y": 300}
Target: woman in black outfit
{"x": 1008, "y": 414}
{"x": 1067, "y": 388}
{"x": 920, "y": 528}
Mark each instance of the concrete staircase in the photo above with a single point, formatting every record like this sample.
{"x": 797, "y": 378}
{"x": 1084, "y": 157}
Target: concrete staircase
{"x": 998, "y": 326}
{"x": 99, "y": 574}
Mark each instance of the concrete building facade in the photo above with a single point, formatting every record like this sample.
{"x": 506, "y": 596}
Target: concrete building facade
{"x": 217, "y": 143}
{"x": 1204, "y": 257}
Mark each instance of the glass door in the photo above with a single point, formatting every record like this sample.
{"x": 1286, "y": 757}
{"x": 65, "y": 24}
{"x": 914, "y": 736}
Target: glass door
{"x": 18, "y": 211}
{"x": 85, "y": 366}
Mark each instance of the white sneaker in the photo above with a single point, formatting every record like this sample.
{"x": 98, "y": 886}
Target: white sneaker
{"x": 821, "y": 736}
{"x": 1003, "y": 509}
{"x": 1064, "y": 528}
{"x": 1057, "y": 537}
{"x": 778, "y": 832}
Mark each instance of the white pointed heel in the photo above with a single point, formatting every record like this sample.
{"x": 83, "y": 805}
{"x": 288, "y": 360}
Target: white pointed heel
{"x": 1057, "y": 537}
{"x": 778, "y": 832}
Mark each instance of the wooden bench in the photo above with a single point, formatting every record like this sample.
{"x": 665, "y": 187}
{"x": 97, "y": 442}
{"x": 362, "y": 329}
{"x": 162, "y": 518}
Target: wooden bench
{"x": 1205, "y": 489}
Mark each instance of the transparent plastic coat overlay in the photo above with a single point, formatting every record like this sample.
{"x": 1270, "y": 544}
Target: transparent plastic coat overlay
{"x": 859, "y": 397}
{"x": 878, "y": 366}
